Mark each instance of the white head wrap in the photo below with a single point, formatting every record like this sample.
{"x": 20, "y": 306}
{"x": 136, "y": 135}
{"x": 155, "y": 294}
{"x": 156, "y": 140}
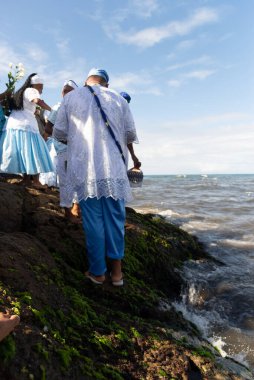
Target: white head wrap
{"x": 70, "y": 83}
{"x": 36, "y": 80}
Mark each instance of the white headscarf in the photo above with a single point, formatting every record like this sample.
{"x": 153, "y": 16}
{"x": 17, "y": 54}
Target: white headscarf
{"x": 70, "y": 83}
{"x": 36, "y": 79}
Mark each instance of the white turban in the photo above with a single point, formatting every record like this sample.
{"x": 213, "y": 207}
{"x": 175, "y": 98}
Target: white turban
{"x": 70, "y": 83}
{"x": 36, "y": 80}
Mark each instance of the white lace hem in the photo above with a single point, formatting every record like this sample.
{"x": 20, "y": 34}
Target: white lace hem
{"x": 108, "y": 187}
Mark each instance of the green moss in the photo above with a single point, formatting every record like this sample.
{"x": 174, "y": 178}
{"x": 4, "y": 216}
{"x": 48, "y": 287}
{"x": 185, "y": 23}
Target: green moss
{"x": 66, "y": 355}
{"x": 40, "y": 315}
{"x": 122, "y": 336}
{"x": 135, "y": 332}
{"x": 81, "y": 304}
{"x": 102, "y": 341}
{"x": 16, "y": 307}
{"x": 7, "y": 349}
{"x": 111, "y": 373}
{"x": 162, "y": 373}
{"x": 89, "y": 326}
{"x": 203, "y": 351}
{"x": 25, "y": 297}
{"x": 41, "y": 350}
{"x": 43, "y": 372}
{"x": 57, "y": 335}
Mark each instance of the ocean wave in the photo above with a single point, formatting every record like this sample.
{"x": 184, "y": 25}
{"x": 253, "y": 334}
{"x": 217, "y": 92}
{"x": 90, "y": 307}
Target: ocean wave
{"x": 199, "y": 226}
{"x": 238, "y": 243}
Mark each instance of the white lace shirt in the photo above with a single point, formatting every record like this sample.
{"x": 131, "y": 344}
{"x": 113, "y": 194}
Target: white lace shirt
{"x": 94, "y": 164}
{"x": 25, "y": 119}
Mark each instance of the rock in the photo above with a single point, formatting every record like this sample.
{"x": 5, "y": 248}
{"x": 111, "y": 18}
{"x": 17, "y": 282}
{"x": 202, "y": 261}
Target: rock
{"x": 70, "y": 329}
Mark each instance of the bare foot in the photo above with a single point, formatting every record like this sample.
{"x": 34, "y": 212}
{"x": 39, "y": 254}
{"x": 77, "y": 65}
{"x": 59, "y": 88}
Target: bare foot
{"x": 116, "y": 273}
{"x": 7, "y": 324}
{"x": 75, "y": 219}
{"x": 75, "y": 210}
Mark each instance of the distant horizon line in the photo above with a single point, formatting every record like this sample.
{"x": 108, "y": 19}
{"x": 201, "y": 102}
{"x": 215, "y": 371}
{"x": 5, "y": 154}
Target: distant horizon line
{"x": 200, "y": 174}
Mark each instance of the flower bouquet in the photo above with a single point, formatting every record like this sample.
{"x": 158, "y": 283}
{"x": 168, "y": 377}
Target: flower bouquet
{"x": 15, "y": 74}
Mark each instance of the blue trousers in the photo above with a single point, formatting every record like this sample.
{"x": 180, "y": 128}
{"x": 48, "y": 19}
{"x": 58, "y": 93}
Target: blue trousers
{"x": 103, "y": 223}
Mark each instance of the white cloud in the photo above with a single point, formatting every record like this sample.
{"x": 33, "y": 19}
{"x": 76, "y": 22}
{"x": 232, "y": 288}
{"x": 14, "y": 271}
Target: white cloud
{"x": 54, "y": 78}
{"x": 35, "y": 53}
{"x": 63, "y": 46}
{"x": 174, "y": 83}
{"x": 226, "y": 37}
{"x": 144, "y": 8}
{"x": 140, "y": 83}
{"x": 185, "y": 77}
{"x": 186, "y": 44}
{"x": 224, "y": 121}
{"x": 151, "y": 36}
{"x": 7, "y": 55}
{"x": 35, "y": 59}
{"x": 199, "y": 74}
{"x": 222, "y": 148}
{"x": 198, "y": 61}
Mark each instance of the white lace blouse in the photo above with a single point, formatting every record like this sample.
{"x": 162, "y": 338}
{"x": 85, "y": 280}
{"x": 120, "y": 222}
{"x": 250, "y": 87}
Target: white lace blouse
{"x": 25, "y": 119}
{"x": 94, "y": 164}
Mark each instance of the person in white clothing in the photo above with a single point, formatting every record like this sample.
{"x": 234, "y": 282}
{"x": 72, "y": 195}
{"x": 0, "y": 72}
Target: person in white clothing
{"x": 22, "y": 148}
{"x": 96, "y": 169}
{"x": 58, "y": 151}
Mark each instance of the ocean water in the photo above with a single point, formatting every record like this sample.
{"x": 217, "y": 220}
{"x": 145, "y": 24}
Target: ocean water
{"x": 219, "y": 210}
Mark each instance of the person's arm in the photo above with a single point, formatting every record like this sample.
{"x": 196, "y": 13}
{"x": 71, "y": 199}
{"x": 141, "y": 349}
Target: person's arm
{"x": 135, "y": 159}
{"x": 42, "y": 104}
{"x": 49, "y": 128}
{"x": 130, "y": 133}
{"x": 61, "y": 126}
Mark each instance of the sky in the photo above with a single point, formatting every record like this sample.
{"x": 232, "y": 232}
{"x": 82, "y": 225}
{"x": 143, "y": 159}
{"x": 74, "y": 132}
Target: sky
{"x": 188, "y": 66}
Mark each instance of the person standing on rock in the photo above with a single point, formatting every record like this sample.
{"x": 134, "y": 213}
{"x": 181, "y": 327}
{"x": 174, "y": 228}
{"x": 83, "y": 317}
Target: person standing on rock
{"x": 58, "y": 153}
{"x": 98, "y": 125}
{"x": 22, "y": 148}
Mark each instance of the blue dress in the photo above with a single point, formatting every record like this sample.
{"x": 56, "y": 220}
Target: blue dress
{"x": 2, "y": 119}
{"x": 22, "y": 148}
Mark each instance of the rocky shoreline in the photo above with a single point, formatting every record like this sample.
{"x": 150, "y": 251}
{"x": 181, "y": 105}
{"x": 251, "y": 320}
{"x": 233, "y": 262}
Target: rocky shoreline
{"x": 72, "y": 329}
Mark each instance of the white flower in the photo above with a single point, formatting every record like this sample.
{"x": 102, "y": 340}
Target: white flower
{"x": 20, "y": 66}
{"x": 10, "y": 65}
{"x": 20, "y": 74}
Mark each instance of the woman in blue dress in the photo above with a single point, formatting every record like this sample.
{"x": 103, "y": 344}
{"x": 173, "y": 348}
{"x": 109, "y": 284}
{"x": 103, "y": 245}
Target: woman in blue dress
{"x": 22, "y": 148}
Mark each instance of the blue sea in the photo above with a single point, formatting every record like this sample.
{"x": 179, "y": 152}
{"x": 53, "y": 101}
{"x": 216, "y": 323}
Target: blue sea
{"x": 219, "y": 210}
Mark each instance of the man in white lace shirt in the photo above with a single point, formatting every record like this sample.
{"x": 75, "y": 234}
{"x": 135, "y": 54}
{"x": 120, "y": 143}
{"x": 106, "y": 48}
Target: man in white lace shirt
{"x": 96, "y": 169}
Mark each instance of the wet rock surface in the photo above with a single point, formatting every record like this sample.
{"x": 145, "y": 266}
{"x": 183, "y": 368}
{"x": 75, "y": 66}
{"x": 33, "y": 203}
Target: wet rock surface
{"x": 73, "y": 329}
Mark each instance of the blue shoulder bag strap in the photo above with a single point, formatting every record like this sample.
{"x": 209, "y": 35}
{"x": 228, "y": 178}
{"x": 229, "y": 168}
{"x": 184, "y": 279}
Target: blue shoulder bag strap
{"x": 105, "y": 119}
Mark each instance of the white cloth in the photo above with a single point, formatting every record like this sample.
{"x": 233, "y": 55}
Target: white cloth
{"x": 25, "y": 119}
{"x": 53, "y": 113}
{"x": 51, "y": 178}
{"x": 36, "y": 79}
{"x": 67, "y": 196}
{"x": 94, "y": 164}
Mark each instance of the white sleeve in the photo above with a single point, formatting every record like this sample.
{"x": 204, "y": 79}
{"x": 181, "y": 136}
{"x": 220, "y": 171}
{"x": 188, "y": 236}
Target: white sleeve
{"x": 53, "y": 113}
{"x": 129, "y": 126}
{"x": 31, "y": 93}
{"x": 61, "y": 126}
